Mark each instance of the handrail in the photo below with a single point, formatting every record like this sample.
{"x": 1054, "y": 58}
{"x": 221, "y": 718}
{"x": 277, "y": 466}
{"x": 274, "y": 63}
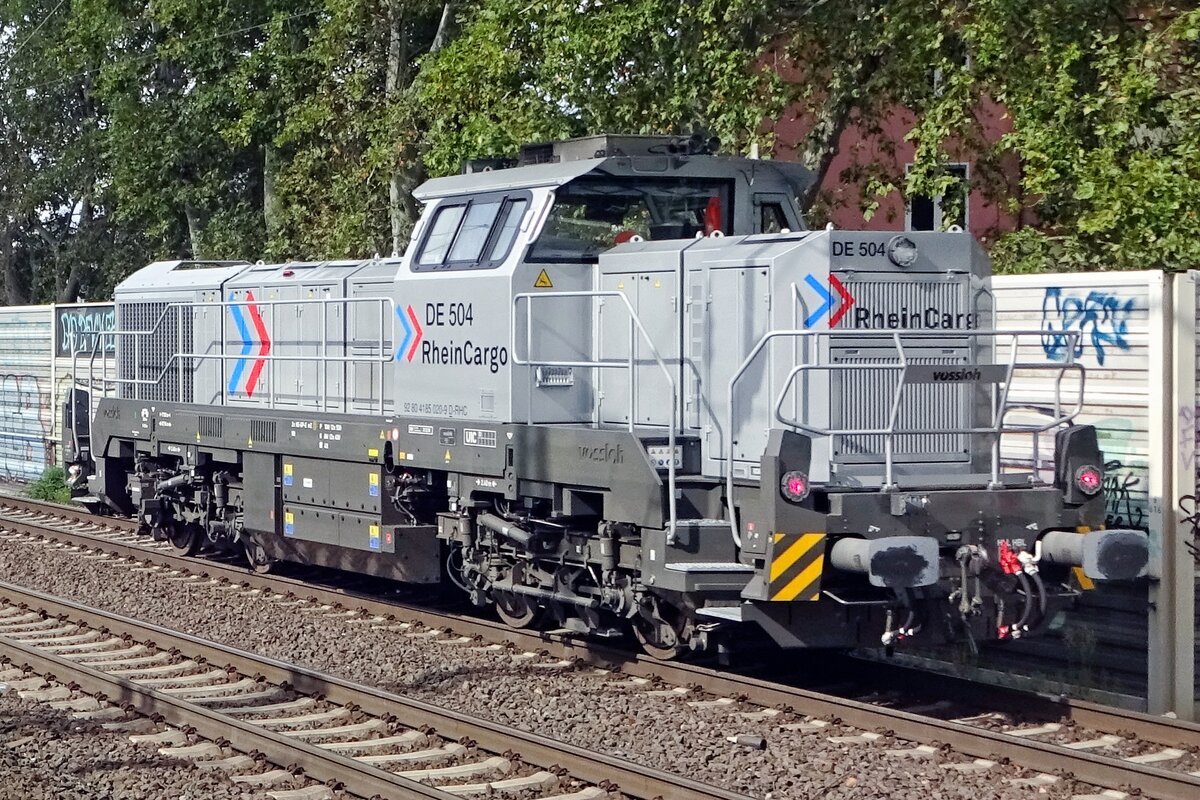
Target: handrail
{"x": 91, "y": 382}
{"x": 178, "y": 359}
{"x": 635, "y": 327}
{"x": 896, "y": 338}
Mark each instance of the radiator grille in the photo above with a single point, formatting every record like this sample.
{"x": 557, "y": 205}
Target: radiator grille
{"x": 262, "y": 430}
{"x": 212, "y": 427}
{"x": 866, "y": 397}
{"x": 148, "y": 356}
{"x": 862, "y": 398}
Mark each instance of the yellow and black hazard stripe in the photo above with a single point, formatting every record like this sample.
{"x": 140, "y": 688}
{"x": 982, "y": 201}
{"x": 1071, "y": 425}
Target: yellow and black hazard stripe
{"x": 797, "y": 560}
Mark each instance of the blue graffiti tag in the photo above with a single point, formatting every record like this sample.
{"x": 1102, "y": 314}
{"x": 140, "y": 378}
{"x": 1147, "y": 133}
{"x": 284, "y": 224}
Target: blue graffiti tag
{"x": 1101, "y": 318}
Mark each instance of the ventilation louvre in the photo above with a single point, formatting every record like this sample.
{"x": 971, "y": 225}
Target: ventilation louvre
{"x": 262, "y": 430}
{"x": 148, "y": 362}
{"x": 862, "y": 398}
{"x": 211, "y": 427}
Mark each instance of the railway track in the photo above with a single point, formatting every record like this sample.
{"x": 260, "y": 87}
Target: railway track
{"x": 361, "y": 740}
{"x": 1114, "y": 749}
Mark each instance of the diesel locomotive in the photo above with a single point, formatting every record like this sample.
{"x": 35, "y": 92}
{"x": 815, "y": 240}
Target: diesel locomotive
{"x": 615, "y": 384}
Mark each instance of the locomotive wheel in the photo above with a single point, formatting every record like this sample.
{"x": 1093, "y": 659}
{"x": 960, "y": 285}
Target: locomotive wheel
{"x": 257, "y": 557}
{"x": 659, "y": 636}
{"x": 184, "y": 539}
{"x": 516, "y": 610}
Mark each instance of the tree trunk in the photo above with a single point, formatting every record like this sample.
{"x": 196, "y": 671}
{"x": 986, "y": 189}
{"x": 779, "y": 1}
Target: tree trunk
{"x": 16, "y": 283}
{"x": 392, "y": 89}
{"x": 6, "y": 259}
{"x": 443, "y": 30}
{"x": 822, "y": 148}
{"x": 823, "y": 139}
{"x": 69, "y": 291}
{"x": 271, "y": 206}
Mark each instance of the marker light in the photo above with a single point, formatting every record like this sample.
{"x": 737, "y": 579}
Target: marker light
{"x": 902, "y": 251}
{"x": 1089, "y": 480}
{"x": 794, "y": 486}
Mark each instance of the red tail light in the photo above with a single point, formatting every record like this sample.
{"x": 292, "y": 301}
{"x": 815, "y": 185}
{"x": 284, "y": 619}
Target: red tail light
{"x": 794, "y": 486}
{"x": 1089, "y": 479}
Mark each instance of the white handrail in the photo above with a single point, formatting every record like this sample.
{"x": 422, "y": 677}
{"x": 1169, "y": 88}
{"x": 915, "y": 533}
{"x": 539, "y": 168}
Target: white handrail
{"x": 896, "y": 337}
{"x": 635, "y": 325}
{"x": 178, "y": 358}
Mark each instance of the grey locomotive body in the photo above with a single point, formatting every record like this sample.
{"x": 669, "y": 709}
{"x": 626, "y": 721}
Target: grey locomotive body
{"x": 622, "y": 387}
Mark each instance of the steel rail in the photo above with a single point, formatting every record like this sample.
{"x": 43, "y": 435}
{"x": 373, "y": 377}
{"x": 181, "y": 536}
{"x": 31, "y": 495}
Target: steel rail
{"x": 359, "y": 779}
{"x": 1103, "y": 771}
{"x": 1161, "y": 730}
{"x": 631, "y": 779}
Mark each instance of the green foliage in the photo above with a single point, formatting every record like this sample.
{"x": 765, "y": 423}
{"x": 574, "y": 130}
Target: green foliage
{"x": 1105, "y": 114}
{"x": 531, "y": 71}
{"x": 132, "y": 130}
{"x": 51, "y": 486}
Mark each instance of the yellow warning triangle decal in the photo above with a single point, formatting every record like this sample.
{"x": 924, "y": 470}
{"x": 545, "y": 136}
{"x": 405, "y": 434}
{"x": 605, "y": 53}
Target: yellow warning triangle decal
{"x": 543, "y": 281}
{"x": 447, "y": 455}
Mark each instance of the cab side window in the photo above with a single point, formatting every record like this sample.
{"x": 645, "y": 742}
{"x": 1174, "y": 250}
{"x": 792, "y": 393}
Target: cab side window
{"x": 441, "y": 235}
{"x": 775, "y": 212}
{"x": 475, "y": 234}
{"x": 772, "y": 219}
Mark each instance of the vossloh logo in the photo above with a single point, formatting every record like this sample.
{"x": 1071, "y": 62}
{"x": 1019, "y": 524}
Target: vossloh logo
{"x": 957, "y": 375}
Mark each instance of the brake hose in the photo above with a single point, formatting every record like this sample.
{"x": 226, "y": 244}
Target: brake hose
{"x": 1040, "y": 585}
{"x": 1026, "y": 605}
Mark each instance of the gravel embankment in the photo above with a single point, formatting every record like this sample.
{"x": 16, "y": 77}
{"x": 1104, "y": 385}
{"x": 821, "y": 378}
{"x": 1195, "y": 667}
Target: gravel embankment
{"x": 47, "y": 755}
{"x": 574, "y": 706}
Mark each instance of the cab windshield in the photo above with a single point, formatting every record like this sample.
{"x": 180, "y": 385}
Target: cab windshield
{"x": 591, "y": 215}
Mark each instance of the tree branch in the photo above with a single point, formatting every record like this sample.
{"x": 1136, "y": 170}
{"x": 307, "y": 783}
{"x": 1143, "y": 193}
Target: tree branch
{"x": 443, "y": 29}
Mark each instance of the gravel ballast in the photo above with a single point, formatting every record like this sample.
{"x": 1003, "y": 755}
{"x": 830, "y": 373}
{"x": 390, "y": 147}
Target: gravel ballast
{"x": 47, "y": 755}
{"x": 578, "y": 706}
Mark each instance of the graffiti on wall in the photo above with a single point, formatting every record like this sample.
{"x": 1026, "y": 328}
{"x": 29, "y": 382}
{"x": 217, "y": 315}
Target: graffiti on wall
{"x": 1189, "y": 461}
{"x": 1189, "y": 440}
{"x": 1126, "y": 473}
{"x": 1124, "y": 497}
{"x": 25, "y": 426}
{"x": 1101, "y": 320}
{"x": 77, "y": 329}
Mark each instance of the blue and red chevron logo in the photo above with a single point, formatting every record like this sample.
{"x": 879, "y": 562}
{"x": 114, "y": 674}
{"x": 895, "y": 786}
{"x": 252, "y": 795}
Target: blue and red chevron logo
{"x": 827, "y": 301}
{"x": 263, "y": 341}
{"x": 413, "y": 333}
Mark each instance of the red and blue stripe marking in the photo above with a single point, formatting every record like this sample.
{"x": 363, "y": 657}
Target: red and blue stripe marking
{"x": 263, "y": 341}
{"x": 413, "y": 333}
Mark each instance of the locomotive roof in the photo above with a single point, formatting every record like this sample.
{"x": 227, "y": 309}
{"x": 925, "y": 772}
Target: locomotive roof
{"x": 557, "y": 174}
{"x": 500, "y": 180}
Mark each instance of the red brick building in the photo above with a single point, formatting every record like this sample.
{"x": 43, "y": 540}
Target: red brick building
{"x": 841, "y": 194}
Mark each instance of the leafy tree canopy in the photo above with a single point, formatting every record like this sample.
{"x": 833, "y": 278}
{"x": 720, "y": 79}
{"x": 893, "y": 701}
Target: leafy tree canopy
{"x": 140, "y": 129}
